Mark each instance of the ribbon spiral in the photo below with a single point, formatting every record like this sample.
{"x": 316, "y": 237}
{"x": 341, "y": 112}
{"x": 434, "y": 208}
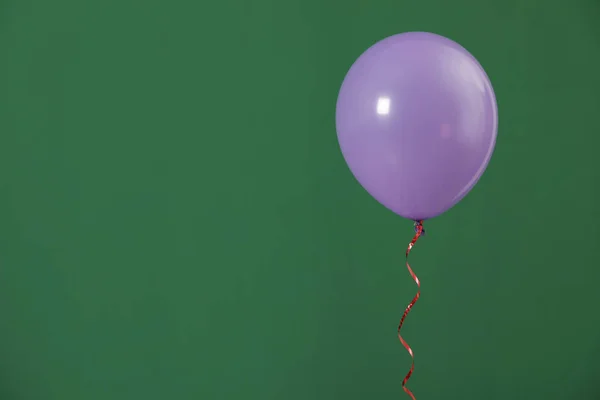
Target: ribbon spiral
{"x": 419, "y": 231}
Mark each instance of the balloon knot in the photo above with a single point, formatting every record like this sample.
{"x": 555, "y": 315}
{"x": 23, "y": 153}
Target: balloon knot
{"x": 419, "y": 227}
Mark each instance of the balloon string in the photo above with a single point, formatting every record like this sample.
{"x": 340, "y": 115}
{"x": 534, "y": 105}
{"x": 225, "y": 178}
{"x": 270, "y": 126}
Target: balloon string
{"x": 419, "y": 231}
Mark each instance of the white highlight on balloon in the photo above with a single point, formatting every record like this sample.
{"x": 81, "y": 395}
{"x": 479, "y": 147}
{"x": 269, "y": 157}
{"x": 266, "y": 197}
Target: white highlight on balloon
{"x": 383, "y": 106}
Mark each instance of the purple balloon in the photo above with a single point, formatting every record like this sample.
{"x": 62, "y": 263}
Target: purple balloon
{"x": 417, "y": 120}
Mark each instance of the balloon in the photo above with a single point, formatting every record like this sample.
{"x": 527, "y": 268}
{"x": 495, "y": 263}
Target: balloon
{"x": 417, "y": 120}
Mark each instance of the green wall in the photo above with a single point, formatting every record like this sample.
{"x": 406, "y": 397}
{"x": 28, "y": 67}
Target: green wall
{"x": 177, "y": 221}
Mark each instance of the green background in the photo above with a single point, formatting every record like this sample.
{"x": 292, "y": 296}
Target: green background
{"x": 177, "y": 221}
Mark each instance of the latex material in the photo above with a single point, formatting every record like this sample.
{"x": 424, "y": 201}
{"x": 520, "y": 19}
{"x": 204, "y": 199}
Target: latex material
{"x": 416, "y": 118}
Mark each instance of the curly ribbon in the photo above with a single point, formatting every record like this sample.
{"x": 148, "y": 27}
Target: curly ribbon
{"x": 419, "y": 231}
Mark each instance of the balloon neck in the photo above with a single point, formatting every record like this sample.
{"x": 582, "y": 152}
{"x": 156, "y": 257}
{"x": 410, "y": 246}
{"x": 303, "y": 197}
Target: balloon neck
{"x": 419, "y": 227}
